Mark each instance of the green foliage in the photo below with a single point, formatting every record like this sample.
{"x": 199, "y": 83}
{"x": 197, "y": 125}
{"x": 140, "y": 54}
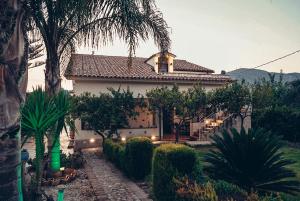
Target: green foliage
{"x": 39, "y": 113}
{"x": 138, "y": 156}
{"x": 134, "y": 157}
{"x": 171, "y": 161}
{"x": 233, "y": 98}
{"x": 228, "y": 191}
{"x": 108, "y": 111}
{"x": 281, "y": 121}
{"x": 64, "y": 24}
{"x": 186, "y": 104}
{"x": 188, "y": 190}
{"x": 112, "y": 151}
{"x": 252, "y": 161}
{"x": 276, "y": 108}
{"x": 74, "y": 160}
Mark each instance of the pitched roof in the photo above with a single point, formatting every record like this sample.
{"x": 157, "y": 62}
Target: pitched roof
{"x": 99, "y": 66}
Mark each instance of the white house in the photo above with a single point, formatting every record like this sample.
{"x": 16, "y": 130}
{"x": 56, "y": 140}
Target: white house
{"x": 96, "y": 73}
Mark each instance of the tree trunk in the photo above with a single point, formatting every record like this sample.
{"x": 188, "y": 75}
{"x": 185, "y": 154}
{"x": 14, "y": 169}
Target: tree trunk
{"x": 55, "y": 155}
{"x": 52, "y": 74}
{"x": 177, "y": 127}
{"x": 13, "y": 84}
{"x": 102, "y": 135}
{"x": 52, "y": 87}
{"x": 159, "y": 123}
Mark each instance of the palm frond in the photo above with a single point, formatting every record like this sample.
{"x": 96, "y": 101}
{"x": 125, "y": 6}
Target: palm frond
{"x": 251, "y": 160}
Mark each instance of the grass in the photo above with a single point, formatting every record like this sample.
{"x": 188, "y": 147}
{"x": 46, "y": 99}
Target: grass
{"x": 293, "y": 154}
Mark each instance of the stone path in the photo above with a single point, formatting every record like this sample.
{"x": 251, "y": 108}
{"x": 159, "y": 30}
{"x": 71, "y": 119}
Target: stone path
{"x": 108, "y": 182}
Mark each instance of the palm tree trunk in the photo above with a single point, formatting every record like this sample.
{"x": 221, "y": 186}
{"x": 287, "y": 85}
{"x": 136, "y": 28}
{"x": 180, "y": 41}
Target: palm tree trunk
{"x": 55, "y": 155}
{"x": 52, "y": 74}
{"x": 39, "y": 150}
{"x": 53, "y": 86}
{"x": 13, "y": 84}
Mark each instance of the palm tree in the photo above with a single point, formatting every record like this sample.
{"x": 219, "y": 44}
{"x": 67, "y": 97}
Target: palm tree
{"x": 13, "y": 83}
{"x": 63, "y": 24}
{"x": 252, "y": 161}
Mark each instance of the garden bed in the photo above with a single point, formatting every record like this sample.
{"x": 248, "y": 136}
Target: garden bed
{"x": 79, "y": 189}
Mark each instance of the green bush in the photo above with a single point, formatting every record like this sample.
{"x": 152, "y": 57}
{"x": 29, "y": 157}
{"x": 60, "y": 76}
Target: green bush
{"x": 190, "y": 190}
{"x": 112, "y": 151}
{"x": 228, "y": 191}
{"x": 171, "y": 161}
{"x": 138, "y": 155}
{"x": 134, "y": 158}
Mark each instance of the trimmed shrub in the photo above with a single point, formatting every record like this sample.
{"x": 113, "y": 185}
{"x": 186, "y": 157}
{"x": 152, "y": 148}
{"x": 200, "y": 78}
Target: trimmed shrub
{"x": 112, "y": 151}
{"x": 138, "y": 155}
{"x": 171, "y": 161}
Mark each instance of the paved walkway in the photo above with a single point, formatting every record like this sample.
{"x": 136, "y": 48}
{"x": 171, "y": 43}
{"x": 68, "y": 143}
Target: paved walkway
{"x": 108, "y": 182}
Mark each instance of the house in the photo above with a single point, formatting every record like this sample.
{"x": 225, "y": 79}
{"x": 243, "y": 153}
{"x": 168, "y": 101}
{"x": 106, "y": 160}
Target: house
{"x": 96, "y": 73}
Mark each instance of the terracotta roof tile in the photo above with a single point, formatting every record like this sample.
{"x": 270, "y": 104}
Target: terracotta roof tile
{"x": 98, "y": 66}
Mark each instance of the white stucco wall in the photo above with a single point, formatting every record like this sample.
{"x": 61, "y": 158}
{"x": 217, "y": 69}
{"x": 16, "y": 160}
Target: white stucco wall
{"x": 139, "y": 126}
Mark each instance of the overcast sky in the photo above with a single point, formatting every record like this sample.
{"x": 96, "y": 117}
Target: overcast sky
{"x": 222, "y": 34}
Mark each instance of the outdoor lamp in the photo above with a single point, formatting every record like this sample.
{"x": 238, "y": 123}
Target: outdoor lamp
{"x": 92, "y": 140}
{"x": 153, "y": 137}
{"x": 123, "y": 139}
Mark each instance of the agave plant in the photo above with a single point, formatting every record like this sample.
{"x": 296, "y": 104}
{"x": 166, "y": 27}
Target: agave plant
{"x": 39, "y": 113}
{"x": 252, "y": 161}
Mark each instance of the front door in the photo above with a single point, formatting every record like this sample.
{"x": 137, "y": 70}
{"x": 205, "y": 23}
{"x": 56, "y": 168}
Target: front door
{"x": 185, "y": 129}
{"x": 167, "y": 122}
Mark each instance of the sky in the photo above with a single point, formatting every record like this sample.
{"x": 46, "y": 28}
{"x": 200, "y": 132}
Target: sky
{"x": 220, "y": 35}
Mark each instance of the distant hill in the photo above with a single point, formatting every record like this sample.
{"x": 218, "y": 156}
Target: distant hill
{"x": 250, "y": 75}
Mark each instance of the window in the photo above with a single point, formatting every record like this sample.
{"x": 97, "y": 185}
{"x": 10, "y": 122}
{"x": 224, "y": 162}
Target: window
{"x": 162, "y": 64}
{"x": 85, "y": 125}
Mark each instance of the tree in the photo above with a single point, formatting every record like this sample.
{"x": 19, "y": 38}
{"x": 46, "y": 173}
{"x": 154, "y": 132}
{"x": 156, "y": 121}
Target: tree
{"x": 160, "y": 99}
{"x": 186, "y": 105}
{"x": 64, "y": 24}
{"x": 252, "y": 161}
{"x": 235, "y": 99}
{"x": 107, "y": 111}
{"x": 292, "y": 96}
{"x": 13, "y": 84}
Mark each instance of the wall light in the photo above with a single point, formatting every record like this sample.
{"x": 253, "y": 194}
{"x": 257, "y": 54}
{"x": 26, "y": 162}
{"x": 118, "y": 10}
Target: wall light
{"x": 92, "y": 140}
{"x": 123, "y": 139}
{"x": 153, "y": 137}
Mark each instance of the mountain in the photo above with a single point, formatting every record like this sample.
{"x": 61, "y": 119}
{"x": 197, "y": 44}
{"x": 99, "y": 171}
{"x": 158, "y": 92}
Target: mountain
{"x": 250, "y": 75}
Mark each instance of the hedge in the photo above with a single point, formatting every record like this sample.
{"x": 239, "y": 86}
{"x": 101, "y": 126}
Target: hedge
{"x": 171, "y": 161}
{"x": 134, "y": 158}
{"x": 138, "y": 156}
